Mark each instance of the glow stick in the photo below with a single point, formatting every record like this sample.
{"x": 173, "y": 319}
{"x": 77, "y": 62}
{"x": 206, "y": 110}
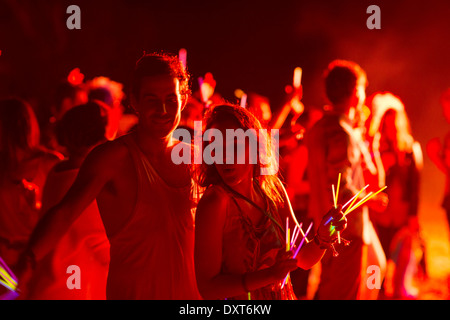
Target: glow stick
{"x": 334, "y": 196}
{"x": 295, "y": 235}
{"x": 297, "y": 77}
{"x": 355, "y": 199}
{"x": 359, "y": 202}
{"x": 303, "y": 240}
{"x": 182, "y": 53}
{"x": 290, "y": 206}
{"x": 200, "y": 84}
{"x": 288, "y": 241}
{"x": 243, "y": 100}
{"x": 347, "y": 203}
{"x": 366, "y": 199}
{"x": 3, "y": 283}
{"x": 7, "y": 274}
{"x": 337, "y": 190}
{"x": 335, "y": 199}
{"x": 7, "y": 277}
{"x": 298, "y": 249}
{"x": 304, "y": 236}
{"x": 3, "y": 263}
{"x": 294, "y": 232}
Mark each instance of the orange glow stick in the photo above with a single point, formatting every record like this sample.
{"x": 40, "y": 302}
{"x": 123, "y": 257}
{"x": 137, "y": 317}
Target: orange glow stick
{"x": 288, "y": 235}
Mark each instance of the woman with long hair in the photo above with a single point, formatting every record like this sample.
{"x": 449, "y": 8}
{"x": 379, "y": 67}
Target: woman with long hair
{"x": 240, "y": 234}
{"x": 399, "y": 162}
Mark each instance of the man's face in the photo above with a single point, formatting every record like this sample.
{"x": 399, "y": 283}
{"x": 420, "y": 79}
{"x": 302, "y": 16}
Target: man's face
{"x": 159, "y": 105}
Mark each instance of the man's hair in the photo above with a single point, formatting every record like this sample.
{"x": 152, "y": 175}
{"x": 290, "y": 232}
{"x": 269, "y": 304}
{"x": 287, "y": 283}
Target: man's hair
{"x": 341, "y": 78}
{"x": 157, "y": 64}
{"x": 82, "y": 127}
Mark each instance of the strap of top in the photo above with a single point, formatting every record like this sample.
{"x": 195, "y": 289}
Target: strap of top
{"x": 266, "y": 212}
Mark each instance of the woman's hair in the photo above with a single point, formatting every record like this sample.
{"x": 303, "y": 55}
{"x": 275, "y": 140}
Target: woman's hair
{"x": 206, "y": 174}
{"x": 81, "y": 127}
{"x": 384, "y": 103}
{"x": 157, "y": 64}
{"x": 19, "y": 130}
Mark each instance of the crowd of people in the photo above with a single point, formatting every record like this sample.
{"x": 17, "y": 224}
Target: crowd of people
{"x": 99, "y": 189}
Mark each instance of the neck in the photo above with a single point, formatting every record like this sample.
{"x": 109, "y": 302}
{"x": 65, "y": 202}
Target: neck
{"x": 245, "y": 187}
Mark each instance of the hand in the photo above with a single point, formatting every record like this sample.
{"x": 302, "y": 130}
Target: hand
{"x": 294, "y": 97}
{"x": 283, "y": 265}
{"x": 332, "y": 223}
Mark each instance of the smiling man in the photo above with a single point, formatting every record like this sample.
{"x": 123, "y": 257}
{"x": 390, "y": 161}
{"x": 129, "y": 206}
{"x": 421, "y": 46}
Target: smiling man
{"x": 144, "y": 199}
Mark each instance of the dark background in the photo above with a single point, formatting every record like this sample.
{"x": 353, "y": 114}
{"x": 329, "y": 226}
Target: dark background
{"x": 250, "y": 45}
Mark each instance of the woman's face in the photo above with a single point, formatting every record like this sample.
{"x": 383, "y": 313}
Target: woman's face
{"x": 236, "y": 169}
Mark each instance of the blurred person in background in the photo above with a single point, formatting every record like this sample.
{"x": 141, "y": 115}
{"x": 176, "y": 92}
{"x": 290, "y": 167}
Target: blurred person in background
{"x": 399, "y": 161}
{"x": 85, "y": 244}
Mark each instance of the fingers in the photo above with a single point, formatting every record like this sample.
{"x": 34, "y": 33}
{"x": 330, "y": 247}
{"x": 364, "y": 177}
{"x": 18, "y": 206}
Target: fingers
{"x": 340, "y": 225}
{"x": 339, "y": 221}
{"x": 334, "y": 211}
{"x": 284, "y": 255}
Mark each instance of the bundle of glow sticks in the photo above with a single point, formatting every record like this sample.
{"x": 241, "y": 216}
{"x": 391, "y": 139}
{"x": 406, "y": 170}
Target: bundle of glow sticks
{"x": 352, "y": 205}
{"x": 290, "y": 243}
{"x": 8, "y": 280}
